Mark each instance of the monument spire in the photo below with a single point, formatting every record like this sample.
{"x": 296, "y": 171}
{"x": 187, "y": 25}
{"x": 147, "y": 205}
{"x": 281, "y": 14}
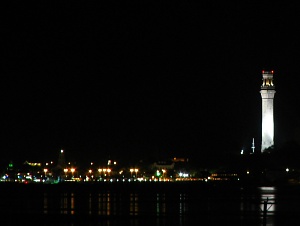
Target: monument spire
{"x": 267, "y": 95}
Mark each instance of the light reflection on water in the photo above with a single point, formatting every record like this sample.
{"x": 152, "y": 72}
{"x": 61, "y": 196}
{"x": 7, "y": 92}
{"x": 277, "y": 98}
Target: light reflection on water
{"x": 173, "y": 205}
{"x": 134, "y": 204}
{"x": 268, "y": 195}
{"x": 160, "y": 205}
{"x": 103, "y": 204}
{"x": 179, "y": 208}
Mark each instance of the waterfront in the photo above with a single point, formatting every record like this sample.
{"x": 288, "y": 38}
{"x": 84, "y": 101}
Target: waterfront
{"x": 148, "y": 204}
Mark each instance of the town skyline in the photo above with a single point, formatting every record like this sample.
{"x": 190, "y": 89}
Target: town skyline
{"x": 145, "y": 80}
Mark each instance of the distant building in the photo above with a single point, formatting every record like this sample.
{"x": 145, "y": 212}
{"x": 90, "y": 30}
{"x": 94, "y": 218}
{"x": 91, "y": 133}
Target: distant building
{"x": 163, "y": 165}
{"x": 175, "y": 159}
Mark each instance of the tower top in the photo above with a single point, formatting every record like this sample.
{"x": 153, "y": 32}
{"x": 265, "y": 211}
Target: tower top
{"x": 267, "y": 80}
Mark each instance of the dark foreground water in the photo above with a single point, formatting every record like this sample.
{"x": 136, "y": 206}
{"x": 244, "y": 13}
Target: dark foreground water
{"x": 176, "y": 204}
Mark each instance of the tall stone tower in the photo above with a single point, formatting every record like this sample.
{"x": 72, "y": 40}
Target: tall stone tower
{"x": 267, "y": 95}
{"x": 61, "y": 163}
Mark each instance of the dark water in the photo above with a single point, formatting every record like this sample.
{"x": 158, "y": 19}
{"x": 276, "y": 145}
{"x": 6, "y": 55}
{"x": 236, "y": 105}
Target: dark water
{"x": 177, "y": 204}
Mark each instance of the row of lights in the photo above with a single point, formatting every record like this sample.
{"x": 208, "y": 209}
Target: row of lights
{"x": 108, "y": 170}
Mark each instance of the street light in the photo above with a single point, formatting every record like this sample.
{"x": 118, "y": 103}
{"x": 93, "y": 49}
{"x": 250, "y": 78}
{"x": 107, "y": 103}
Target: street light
{"x": 108, "y": 171}
{"x": 72, "y": 171}
{"x": 45, "y": 171}
{"x": 133, "y": 170}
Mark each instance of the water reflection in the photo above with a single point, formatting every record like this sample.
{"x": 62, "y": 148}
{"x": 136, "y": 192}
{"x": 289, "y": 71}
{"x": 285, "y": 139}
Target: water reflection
{"x": 121, "y": 204}
{"x": 268, "y": 205}
{"x": 182, "y": 207}
{"x": 260, "y": 204}
{"x": 45, "y": 201}
{"x": 182, "y": 203}
{"x": 134, "y": 204}
{"x": 160, "y": 204}
{"x": 167, "y": 207}
{"x": 104, "y": 205}
{"x": 115, "y": 204}
{"x": 66, "y": 204}
{"x": 268, "y": 195}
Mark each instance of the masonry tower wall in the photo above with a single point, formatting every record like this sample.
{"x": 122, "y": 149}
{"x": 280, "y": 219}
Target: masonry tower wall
{"x": 267, "y": 95}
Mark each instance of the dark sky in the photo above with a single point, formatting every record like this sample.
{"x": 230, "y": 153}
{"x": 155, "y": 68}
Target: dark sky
{"x": 144, "y": 79}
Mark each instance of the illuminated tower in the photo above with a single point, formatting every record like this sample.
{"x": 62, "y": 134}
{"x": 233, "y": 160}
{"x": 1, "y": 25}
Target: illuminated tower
{"x": 61, "y": 160}
{"x": 267, "y": 95}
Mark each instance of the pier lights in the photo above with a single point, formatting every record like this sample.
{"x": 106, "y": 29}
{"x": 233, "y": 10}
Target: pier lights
{"x": 131, "y": 170}
{"x": 136, "y": 170}
{"x": 164, "y": 172}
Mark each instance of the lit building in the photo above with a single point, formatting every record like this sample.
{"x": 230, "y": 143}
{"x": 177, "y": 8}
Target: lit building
{"x": 163, "y": 165}
{"x": 267, "y": 95}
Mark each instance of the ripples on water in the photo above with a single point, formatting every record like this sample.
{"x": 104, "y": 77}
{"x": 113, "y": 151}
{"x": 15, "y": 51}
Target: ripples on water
{"x": 177, "y": 204}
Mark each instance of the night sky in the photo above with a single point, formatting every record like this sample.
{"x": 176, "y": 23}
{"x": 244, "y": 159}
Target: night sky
{"x": 144, "y": 80}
